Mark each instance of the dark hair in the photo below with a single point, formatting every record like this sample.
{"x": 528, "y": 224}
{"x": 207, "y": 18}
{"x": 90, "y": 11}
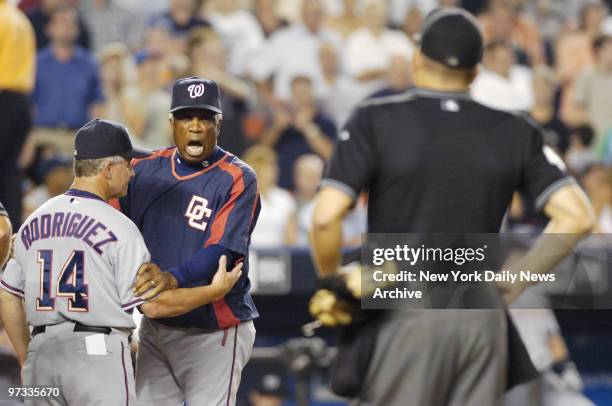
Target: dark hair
{"x": 62, "y": 9}
{"x": 498, "y": 43}
{"x": 600, "y": 41}
{"x": 585, "y": 134}
{"x": 301, "y": 78}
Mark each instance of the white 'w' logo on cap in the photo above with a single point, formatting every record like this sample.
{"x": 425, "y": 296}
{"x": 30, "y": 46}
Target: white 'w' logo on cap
{"x": 196, "y": 90}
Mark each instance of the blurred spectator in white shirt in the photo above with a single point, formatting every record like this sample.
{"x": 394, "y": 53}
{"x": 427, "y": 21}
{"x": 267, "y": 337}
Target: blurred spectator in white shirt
{"x": 597, "y": 183}
{"x": 208, "y": 59}
{"x": 347, "y": 21}
{"x": 412, "y": 24}
{"x": 269, "y": 20}
{"x": 241, "y": 34}
{"x": 172, "y": 51}
{"x": 399, "y": 9}
{"x": 291, "y": 52}
{"x": 146, "y": 103}
{"x": 109, "y": 22}
{"x": 369, "y": 50}
{"x": 501, "y": 83}
{"x": 398, "y": 78}
{"x": 342, "y": 92}
{"x": 574, "y": 52}
{"x": 307, "y": 175}
{"x": 274, "y": 228}
{"x": 593, "y": 90}
{"x": 145, "y": 8}
{"x": 116, "y": 72}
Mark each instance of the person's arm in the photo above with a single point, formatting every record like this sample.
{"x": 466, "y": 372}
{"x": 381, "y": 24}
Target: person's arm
{"x": 271, "y": 136}
{"x": 371, "y": 74}
{"x": 571, "y": 219}
{"x": 350, "y": 171}
{"x": 231, "y": 228}
{"x": 559, "y": 197}
{"x": 14, "y": 319}
{"x": 6, "y": 230}
{"x": 201, "y": 267}
{"x": 176, "y": 302}
{"x": 331, "y": 206}
{"x": 319, "y": 143}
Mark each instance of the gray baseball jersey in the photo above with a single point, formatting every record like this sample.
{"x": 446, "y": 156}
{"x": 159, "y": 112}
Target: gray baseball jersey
{"x": 76, "y": 258}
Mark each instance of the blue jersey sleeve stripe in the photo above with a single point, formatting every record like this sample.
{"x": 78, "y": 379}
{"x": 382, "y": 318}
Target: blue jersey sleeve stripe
{"x": 12, "y": 289}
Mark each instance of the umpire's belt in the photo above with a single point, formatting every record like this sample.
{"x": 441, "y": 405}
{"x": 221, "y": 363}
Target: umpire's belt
{"x": 78, "y": 327}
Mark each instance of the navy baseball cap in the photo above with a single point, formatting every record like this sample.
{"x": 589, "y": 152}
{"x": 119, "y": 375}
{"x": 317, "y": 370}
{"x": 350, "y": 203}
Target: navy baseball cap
{"x": 452, "y": 36}
{"x": 104, "y": 138}
{"x": 195, "y": 93}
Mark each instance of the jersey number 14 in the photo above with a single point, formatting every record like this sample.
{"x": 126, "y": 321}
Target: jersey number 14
{"x": 70, "y": 282}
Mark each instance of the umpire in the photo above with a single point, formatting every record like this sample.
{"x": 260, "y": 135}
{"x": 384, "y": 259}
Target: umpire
{"x": 435, "y": 161}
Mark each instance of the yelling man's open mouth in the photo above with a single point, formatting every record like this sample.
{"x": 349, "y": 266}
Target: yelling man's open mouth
{"x": 195, "y": 148}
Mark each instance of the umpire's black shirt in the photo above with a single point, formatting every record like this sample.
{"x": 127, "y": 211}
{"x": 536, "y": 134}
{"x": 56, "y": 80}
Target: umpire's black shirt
{"x": 440, "y": 162}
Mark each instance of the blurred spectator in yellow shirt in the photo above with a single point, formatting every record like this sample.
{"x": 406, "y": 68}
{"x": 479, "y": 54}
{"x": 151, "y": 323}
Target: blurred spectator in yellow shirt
{"x": 17, "y": 53}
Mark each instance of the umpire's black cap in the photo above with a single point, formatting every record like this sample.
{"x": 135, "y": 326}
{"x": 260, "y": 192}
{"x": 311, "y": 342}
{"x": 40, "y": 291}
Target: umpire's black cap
{"x": 195, "y": 93}
{"x": 104, "y": 138}
{"x": 452, "y": 37}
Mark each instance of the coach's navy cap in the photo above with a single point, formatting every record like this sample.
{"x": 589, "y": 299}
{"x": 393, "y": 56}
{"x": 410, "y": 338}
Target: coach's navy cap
{"x": 103, "y": 138}
{"x": 452, "y": 37}
{"x": 195, "y": 93}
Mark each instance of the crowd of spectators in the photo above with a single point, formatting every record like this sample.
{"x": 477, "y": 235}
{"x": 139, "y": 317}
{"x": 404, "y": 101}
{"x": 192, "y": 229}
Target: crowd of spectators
{"x": 291, "y": 72}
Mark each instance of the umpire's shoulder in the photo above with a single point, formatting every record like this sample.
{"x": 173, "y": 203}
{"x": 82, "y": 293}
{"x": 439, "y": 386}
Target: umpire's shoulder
{"x": 380, "y": 108}
{"x": 384, "y": 102}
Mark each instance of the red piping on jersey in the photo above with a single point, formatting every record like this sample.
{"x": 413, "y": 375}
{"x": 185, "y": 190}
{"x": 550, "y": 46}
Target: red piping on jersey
{"x": 225, "y": 316}
{"x": 157, "y": 154}
{"x": 217, "y": 228}
{"x": 229, "y": 390}
{"x": 193, "y": 175}
{"x": 115, "y": 203}
{"x": 254, "y": 205}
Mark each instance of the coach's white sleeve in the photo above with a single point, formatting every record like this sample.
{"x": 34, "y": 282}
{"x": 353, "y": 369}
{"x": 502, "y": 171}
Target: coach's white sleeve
{"x": 13, "y": 279}
{"x": 127, "y": 259}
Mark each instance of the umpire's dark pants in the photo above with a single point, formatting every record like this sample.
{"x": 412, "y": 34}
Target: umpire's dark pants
{"x": 438, "y": 357}
{"x": 15, "y": 122}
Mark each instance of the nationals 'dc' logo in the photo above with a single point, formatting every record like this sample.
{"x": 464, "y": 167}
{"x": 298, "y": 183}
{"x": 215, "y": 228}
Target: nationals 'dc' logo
{"x": 198, "y": 212}
{"x": 196, "y": 90}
